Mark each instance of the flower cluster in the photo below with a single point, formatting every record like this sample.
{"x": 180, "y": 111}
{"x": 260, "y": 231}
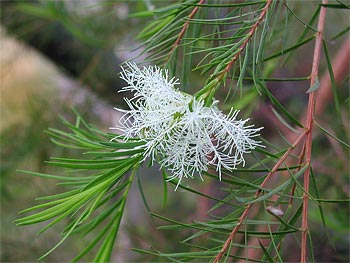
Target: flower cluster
{"x": 186, "y": 135}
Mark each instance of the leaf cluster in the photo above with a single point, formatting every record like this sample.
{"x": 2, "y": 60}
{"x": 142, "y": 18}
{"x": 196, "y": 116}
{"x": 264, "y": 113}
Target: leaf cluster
{"x": 99, "y": 186}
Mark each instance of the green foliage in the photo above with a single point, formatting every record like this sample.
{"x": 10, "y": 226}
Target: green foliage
{"x": 234, "y": 49}
{"x": 98, "y": 197}
{"x": 209, "y": 35}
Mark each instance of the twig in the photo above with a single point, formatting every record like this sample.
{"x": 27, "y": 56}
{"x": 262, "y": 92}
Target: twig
{"x": 340, "y": 65}
{"x": 309, "y": 122}
{"x": 183, "y": 30}
{"x": 244, "y": 44}
{"x": 258, "y": 192}
{"x": 324, "y": 95}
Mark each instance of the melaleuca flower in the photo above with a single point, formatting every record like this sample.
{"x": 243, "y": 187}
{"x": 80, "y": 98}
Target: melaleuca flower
{"x": 185, "y": 135}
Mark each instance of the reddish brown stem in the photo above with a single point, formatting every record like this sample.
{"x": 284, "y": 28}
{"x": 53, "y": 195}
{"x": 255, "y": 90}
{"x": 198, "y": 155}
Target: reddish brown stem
{"x": 309, "y": 122}
{"x": 262, "y": 185}
{"x": 183, "y": 30}
{"x": 244, "y": 44}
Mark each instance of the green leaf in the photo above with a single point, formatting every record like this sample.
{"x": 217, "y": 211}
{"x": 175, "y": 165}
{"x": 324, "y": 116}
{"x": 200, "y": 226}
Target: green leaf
{"x": 331, "y": 135}
{"x": 331, "y": 76}
{"x": 335, "y": 6}
{"x": 89, "y": 203}
{"x": 142, "y": 14}
{"x": 279, "y": 106}
{"x": 266, "y": 253}
{"x": 283, "y": 121}
{"x": 290, "y": 49}
{"x": 154, "y": 27}
{"x": 279, "y": 188}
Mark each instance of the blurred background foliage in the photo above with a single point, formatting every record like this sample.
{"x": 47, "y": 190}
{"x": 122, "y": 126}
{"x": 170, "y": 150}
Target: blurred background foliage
{"x": 61, "y": 54}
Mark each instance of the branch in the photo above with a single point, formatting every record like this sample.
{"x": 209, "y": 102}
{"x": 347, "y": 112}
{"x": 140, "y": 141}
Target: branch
{"x": 244, "y": 44}
{"x": 183, "y": 30}
{"x": 309, "y": 122}
{"x": 258, "y": 192}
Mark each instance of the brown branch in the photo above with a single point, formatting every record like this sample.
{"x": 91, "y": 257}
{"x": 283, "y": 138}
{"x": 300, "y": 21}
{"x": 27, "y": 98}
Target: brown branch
{"x": 340, "y": 65}
{"x": 324, "y": 95}
{"x": 309, "y": 124}
{"x": 183, "y": 30}
{"x": 262, "y": 185}
{"x": 340, "y": 69}
{"x": 244, "y": 44}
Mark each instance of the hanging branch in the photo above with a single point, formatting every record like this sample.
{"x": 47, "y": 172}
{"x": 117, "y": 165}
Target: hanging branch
{"x": 309, "y": 122}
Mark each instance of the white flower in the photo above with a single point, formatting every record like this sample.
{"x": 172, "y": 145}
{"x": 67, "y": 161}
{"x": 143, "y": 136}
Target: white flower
{"x": 186, "y": 135}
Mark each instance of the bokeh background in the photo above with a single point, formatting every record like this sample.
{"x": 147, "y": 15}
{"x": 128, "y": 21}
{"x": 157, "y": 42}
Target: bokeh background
{"x": 59, "y": 55}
